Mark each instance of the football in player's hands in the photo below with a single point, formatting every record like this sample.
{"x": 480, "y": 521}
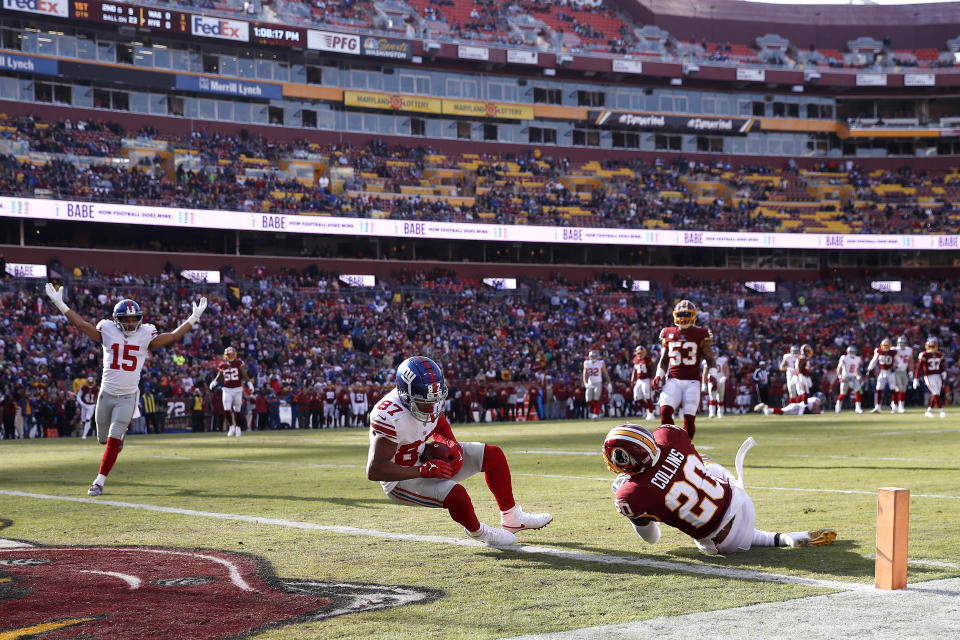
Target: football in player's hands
{"x": 436, "y": 469}
{"x": 434, "y": 450}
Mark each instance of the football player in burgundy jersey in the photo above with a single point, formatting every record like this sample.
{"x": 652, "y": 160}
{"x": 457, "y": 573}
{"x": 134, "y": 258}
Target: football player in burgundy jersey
{"x": 233, "y": 374}
{"x": 662, "y": 478}
{"x": 125, "y": 341}
{"x": 684, "y": 346}
{"x": 640, "y": 381}
{"x": 87, "y": 401}
{"x": 930, "y": 366}
{"x": 404, "y": 422}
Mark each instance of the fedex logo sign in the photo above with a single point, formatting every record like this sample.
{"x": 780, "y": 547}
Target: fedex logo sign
{"x": 45, "y": 7}
{"x": 220, "y": 28}
{"x": 331, "y": 41}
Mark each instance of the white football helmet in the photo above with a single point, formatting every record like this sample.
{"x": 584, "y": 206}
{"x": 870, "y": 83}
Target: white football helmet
{"x": 593, "y": 355}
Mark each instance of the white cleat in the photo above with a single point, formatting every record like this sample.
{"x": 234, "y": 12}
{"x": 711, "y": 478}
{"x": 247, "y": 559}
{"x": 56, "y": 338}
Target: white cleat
{"x": 516, "y": 520}
{"x": 837, "y": 408}
{"x": 928, "y": 414}
{"x": 760, "y": 406}
{"x": 95, "y": 489}
{"x": 650, "y": 416}
{"x": 900, "y": 409}
{"x": 943, "y": 414}
{"x": 492, "y": 537}
{"x": 858, "y": 410}
{"x": 876, "y": 409}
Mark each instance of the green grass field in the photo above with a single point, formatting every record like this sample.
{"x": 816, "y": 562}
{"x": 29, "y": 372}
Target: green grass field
{"x": 806, "y": 472}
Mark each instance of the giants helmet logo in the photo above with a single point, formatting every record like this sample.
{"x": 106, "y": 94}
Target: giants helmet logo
{"x": 157, "y": 592}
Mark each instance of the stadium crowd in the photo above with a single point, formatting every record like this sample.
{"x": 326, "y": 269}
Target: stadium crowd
{"x": 76, "y": 160}
{"x": 505, "y": 353}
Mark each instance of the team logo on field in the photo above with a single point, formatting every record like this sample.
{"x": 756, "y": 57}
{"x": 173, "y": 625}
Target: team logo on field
{"x": 160, "y": 592}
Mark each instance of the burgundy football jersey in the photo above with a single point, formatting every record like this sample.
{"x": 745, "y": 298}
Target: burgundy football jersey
{"x": 231, "y": 373}
{"x": 886, "y": 359}
{"x": 641, "y": 368}
{"x": 684, "y": 349}
{"x": 677, "y": 490}
{"x": 930, "y": 362}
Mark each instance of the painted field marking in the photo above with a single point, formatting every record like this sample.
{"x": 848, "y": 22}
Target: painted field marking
{"x": 743, "y": 574}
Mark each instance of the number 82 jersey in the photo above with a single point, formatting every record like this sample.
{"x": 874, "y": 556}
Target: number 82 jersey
{"x": 684, "y": 350}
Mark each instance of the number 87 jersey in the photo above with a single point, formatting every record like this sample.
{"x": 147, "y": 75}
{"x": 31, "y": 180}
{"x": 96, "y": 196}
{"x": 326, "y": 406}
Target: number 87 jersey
{"x": 123, "y": 356}
{"x": 683, "y": 348}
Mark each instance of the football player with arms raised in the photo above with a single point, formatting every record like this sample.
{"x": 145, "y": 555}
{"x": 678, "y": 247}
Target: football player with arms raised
{"x": 884, "y": 357}
{"x": 640, "y": 379}
{"x": 233, "y": 374}
{"x": 684, "y": 347}
{"x": 87, "y": 403}
{"x": 125, "y": 341}
{"x": 930, "y": 366}
{"x": 902, "y": 370}
{"x": 594, "y": 375}
{"x": 848, "y": 371}
{"x": 662, "y": 478}
{"x": 418, "y": 461}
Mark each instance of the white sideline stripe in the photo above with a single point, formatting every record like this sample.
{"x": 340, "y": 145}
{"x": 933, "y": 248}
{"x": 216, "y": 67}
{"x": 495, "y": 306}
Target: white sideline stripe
{"x": 13, "y": 544}
{"x": 275, "y": 462}
{"x": 133, "y": 581}
{"x": 745, "y": 574}
{"x": 925, "y": 563}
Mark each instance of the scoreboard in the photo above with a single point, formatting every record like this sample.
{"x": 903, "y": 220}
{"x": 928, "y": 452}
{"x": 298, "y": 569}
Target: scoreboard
{"x": 124, "y": 14}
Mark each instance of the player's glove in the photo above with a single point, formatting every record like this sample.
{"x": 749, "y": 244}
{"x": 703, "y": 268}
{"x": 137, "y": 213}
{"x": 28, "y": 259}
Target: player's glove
{"x": 56, "y": 296}
{"x": 198, "y": 310}
{"x": 916, "y": 383}
{"x": 656, "y": 384}
{"x": 436, "y": 469}
{"x": 455, "y": 458}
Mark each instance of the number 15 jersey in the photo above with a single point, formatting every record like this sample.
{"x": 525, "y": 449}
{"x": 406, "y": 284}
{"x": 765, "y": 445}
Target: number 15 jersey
{"x": 677, "y": 490}
{"x": 684, "y": 349}
{"x": 123, "y": 357}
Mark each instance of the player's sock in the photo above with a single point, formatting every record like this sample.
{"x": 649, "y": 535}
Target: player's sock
{"x": 496, "y": 472}
{"x": 711, "y": 409}
{"x": 777, "y": 411}
{"x": 109, "y": 456}
{"x": 86, "y": 429}
{"x": 666, "y": 415}
{"x": 856, "y": 397}
{"x": 767, "y": 539}
{"x": 459, "y": 506}
{"x": 719, "y": 410}
{"x": 689, "y": 424}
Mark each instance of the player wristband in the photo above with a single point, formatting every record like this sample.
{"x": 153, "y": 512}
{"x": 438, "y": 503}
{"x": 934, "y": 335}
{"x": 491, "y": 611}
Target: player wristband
{"x": 661, "y": 373}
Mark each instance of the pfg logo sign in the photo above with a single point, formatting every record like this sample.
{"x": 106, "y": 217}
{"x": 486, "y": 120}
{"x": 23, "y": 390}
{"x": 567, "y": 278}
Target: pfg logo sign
{"x": 58, "y": 8}
{"x": 161, "y": 592}
{"x": 220, "y": 28}
{"x": 332, "y": 41}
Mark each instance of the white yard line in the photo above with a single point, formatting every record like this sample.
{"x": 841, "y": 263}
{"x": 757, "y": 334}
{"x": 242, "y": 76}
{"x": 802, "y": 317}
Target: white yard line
{"x": 273, "y": 462}
{"x": 743, "y": 574}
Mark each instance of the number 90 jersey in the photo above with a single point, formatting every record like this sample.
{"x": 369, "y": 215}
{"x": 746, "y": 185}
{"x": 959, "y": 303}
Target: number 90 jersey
{"x": 123, "y": 357}
{"x": 676, "y": 490}
{"x": 684, "y": 350}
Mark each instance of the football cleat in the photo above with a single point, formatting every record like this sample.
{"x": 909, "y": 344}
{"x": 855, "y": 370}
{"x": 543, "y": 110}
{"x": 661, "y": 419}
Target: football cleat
{"x": 928, "y": 414}
{"x": 858, "y": 410}
{"x": 650, "y": 416}
{"x": 517, "y": 520}
{"x": 492, "y": 537}
{"x": 943, "y": 414}
{"x": 95, "y": 489}
{"x": 816, "y": 538}
{"x": 759, "y": 407}
{"x": 876, "y": 409}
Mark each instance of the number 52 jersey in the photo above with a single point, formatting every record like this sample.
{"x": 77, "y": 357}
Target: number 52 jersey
{"x": 676, "y": 490}
{"x": 123, "y": 357}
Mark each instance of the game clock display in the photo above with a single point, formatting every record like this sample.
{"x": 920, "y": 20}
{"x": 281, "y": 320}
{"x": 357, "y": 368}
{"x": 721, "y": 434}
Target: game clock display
{"x": 121, "y": 13}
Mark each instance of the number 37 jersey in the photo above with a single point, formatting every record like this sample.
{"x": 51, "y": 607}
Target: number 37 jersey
{"x": 677, "y": 490}
{"x": 684, "y": 350}
{"x": 123, "y": 357}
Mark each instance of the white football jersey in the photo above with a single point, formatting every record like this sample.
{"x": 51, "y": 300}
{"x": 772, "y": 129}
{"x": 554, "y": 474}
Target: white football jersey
{"x": 721, "y": 360}
{"x": 123, "y": 357}
{"x": 903, "y": 358}
{"x": 594, "y": 369}
{"x": 789, "y": 362}
{"x": 850, "y": 365}
{"x": 391, "y": 420}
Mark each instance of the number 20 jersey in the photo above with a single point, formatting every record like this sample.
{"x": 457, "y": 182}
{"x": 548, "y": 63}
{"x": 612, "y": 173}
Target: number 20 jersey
{"x": 123, "y": 357}
{"x": 677, "y": 490}
{"x": 684, "y": 349}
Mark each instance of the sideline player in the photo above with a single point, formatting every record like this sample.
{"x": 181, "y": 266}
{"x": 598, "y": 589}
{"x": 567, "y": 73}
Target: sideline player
{"x": 233, "y": 374}
{"x": 884, "y": 357}
{"x": 125, "y": 342}
{"x": 87, "y": 402}
{"x": 662, "y": 478}
{"x": 788, "y": 364}
{"x": 684, "y": 347}
{"x": 358, "y": 405}
{"x": 930, "y": 366}
{"x": 813, "y": 404}
{"x": 401, "y": 424}
{"x": 848, "y": 370}
{"x": 902, "y": 370}
{"x": 594, "y": 375}
{"x": 642, "y": 393}
{"x": 717, "y": 387}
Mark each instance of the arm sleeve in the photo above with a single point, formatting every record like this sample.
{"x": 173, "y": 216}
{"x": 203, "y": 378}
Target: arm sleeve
{"x": 443, "y": 433}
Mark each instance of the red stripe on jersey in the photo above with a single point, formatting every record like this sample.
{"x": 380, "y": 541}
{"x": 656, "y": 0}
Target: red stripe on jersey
{"x": 386, "y": 430}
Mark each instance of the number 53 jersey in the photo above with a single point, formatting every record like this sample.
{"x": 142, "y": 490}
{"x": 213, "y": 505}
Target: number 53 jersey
{"x": 123, "y": 356}
{"x": 684, "y": 349}
{"x": 676, "y": 490}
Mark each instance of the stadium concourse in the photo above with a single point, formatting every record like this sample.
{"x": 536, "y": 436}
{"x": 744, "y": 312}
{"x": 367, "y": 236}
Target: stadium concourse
{"x": 505, "y": 353}
{"x": 99, "y": 161}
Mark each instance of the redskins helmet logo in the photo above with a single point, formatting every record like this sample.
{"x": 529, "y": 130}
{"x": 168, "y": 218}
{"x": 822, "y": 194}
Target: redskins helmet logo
{"x": 229, "y": 354}
{"x": 685, "y": 314}
{"x": 886, "y": 345}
